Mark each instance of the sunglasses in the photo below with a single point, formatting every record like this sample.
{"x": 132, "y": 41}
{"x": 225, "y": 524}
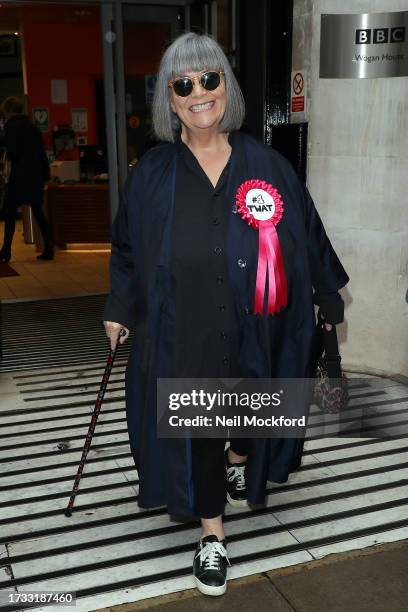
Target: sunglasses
{"x": 183, "y": 86}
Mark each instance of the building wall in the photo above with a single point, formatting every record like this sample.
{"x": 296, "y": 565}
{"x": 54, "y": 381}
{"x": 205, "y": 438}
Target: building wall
{"x": 357, "y": 174}
{"x": 69, "y": 52}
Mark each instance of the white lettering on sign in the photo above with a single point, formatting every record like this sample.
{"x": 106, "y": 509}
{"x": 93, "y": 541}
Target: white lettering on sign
{"x": 378, "y": 36}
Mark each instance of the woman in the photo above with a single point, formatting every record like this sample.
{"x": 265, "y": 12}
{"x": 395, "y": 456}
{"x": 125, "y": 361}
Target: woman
{"x": 184, "y": 273}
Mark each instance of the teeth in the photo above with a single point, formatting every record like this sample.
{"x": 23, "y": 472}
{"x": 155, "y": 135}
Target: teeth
{"x": 201, "y": 107}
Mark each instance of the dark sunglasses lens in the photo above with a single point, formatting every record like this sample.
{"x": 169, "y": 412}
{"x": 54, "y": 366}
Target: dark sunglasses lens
{"x": 183, "y": 87}
{"x": 210, "y": 80}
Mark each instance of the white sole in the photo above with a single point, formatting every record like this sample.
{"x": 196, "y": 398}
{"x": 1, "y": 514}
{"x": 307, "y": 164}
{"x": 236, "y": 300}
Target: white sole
{"x": 237, "y": 503}
{"x": 214, "y": 591}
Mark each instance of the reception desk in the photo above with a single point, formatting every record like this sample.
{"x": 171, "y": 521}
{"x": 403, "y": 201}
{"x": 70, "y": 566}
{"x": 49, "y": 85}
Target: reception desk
{"x": 79, "y": 214}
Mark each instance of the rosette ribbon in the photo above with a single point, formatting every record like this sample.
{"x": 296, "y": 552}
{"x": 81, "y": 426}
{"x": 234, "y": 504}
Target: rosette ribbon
{"x": 261, "y": 206}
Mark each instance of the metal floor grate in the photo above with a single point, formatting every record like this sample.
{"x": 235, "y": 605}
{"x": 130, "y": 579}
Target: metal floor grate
{"x": 57, "y": 332}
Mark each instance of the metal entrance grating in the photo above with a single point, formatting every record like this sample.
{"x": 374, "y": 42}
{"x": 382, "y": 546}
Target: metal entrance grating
{"x": 48, "y": 333}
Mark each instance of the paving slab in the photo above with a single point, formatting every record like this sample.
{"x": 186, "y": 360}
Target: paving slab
{"x": 370, "y": 580}
{"x": 252, "y": 593}
{"x": 366, "y": 580}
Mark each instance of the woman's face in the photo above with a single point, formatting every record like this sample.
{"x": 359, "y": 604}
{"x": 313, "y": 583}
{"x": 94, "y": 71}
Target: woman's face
{"x": 202, "y": 109}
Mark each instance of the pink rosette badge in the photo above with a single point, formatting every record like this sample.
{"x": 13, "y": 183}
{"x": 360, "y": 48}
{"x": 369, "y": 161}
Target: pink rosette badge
{"x": 261, "y": 206}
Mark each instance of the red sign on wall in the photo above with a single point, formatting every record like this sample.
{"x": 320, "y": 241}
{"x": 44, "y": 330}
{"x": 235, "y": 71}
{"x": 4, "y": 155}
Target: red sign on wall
{"x": 298, "y": 104}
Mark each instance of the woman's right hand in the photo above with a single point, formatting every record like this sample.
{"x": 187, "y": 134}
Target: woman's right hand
{"x": 112, "y": 330}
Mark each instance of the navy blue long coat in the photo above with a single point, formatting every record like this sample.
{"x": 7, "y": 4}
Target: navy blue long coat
{"x": 142, "y": 296}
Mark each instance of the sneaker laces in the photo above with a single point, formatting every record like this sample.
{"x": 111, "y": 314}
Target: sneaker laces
{"x": 237, "y": 472}
{"x": 210, "y": 555}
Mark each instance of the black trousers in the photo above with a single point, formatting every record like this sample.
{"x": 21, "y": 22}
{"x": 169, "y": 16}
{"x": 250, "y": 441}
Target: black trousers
{"x": 209, "y": 473}
{"x": 11, "y": 205}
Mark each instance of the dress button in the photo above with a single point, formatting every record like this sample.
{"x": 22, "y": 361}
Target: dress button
{"x": 223, "y": 335}
{"x": 225, "y": 360}
{"x": 222, "y": 308}
{"x": 218, "y": 250}
{"x": 215, "y": 221}
{"x": 220, "y": 280}
{"x": 242, "y": 263}
{"x": 234, "y": 208}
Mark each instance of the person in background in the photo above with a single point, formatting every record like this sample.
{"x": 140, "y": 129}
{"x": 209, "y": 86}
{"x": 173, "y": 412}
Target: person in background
{"x": 29, "y": 171}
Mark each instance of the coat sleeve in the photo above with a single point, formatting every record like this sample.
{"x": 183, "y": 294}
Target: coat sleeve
{"x": 121, "y": 304}
{"x": 331, "y": 306}
{"x": 328, "y": 275}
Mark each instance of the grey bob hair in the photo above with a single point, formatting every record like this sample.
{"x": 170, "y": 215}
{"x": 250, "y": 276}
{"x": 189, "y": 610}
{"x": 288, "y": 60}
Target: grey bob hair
{"x": 193, "y": 52}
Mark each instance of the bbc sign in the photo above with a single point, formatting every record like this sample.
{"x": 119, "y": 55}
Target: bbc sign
{"x": 379, "y": 36}
{"x": 364, "y": 46}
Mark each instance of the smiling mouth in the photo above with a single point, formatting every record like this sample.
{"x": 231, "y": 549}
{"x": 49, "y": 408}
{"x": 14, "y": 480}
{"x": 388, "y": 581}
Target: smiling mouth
{"x": 198, "y": 108}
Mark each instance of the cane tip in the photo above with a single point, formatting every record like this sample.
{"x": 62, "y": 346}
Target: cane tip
{"x": 68, "y": 513}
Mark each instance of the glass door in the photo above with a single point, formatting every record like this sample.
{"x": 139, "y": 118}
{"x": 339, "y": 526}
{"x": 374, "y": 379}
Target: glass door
{"x": 134, "y": 37}
{"x": 147, "y": 30}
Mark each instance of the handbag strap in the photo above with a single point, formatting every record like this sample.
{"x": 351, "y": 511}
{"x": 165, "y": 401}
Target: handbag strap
{"x": 331, "y": 349}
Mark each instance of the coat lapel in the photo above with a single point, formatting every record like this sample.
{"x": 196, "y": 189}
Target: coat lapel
{"x": 242, "y": 240}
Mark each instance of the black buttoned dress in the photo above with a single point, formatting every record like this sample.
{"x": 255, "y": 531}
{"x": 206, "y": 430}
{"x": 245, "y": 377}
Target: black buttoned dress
{"x": 206, "y": 322}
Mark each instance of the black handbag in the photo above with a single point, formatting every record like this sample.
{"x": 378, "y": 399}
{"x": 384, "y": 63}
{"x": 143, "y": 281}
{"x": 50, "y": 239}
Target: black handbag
{"x": 331, "y": 385}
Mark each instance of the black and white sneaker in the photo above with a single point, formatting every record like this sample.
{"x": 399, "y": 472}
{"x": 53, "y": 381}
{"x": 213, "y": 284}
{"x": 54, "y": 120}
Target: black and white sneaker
{"x": 236, "y": 484}
{"x": 210, "y": 566}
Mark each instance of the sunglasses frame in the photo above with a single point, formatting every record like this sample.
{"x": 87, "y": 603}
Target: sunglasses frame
{"x": 193, "y": 79}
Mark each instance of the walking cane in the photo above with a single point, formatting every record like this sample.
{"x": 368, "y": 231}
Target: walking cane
{"x": 95, "y": 414}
